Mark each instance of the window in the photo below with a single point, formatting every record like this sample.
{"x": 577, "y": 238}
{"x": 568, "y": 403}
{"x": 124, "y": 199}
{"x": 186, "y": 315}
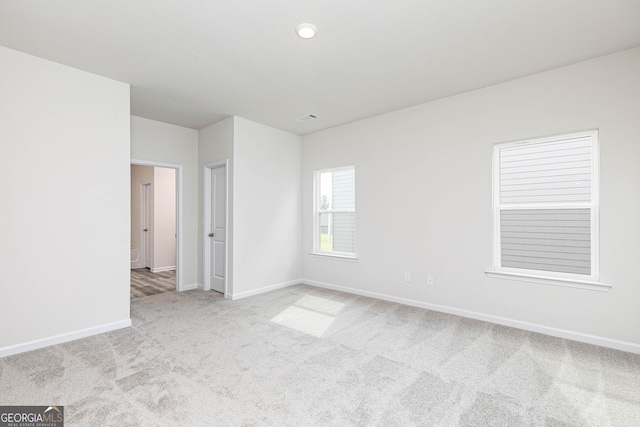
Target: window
{"x": 546, "y": 207}
{"x": 335, "y": 212}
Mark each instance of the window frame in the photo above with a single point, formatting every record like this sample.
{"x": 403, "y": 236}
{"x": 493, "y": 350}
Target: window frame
{"x": 591, "y": 281}
{"x": 317, "y": 211}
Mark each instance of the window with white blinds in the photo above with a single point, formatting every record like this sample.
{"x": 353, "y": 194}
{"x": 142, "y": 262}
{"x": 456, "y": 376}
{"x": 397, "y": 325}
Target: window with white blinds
{"x": 546, "y": 206}
{"x": 335, "y": 212}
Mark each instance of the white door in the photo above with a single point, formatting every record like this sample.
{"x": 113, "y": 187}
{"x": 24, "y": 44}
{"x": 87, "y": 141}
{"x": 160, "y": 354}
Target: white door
{"x": 146, "y": 225}
{"x": 217, "y": 231}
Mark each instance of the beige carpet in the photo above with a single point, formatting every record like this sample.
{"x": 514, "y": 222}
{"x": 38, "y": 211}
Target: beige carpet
{"x": 308, "y": 356}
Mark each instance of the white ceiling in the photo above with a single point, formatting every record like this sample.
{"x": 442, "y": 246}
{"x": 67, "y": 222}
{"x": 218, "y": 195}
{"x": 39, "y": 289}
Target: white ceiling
{"x": 194, "y": 62}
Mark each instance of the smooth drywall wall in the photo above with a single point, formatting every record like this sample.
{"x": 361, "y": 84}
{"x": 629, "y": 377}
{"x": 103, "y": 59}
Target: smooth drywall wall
{"x": 140, "y": 175}
{"x": 267, "y": 206}
{"x": 424, "y": 196}
{"x": 160, "y": 142}
{"x": 64, "y": 160}
{"x": 215, "y": 144}
{"x": 164, "y": 219}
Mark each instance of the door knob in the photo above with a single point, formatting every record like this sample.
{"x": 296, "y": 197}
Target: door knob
{"x": 144, "y": 229}
{"x": 211, "y": 234}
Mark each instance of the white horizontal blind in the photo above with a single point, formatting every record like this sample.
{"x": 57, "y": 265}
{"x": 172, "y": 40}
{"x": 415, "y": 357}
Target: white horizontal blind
{"x": 546, "y": 205}
{"x": 546, "y": 172}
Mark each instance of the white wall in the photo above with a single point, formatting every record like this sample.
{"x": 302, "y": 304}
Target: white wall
{"x": 423, "y": 194}
{"x": 267, "y": 197}
{"x": 215, "y": 144}
{"x": 264, "y": 202}
{"x": 140, "y": 175}
{"x": 155, "y": 141}
{"x": 164, "y": 219}
{"x": 64, "y": 160}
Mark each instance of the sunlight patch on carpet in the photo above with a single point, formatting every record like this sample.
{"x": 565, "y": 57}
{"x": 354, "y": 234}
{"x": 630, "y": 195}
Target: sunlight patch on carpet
{"x": 310, "y": 315}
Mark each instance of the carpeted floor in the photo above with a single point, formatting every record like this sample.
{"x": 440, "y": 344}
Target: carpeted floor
{"x": 308, "y": 356}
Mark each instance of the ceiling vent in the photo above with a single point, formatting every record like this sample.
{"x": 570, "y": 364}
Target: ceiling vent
{"x": 306, "y": 118}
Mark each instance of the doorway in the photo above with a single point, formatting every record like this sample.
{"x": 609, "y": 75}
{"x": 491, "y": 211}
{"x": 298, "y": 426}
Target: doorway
{"x": 215, "y": 230}
{"x": 146, "y": 209}
{"x": 156, "y": 244}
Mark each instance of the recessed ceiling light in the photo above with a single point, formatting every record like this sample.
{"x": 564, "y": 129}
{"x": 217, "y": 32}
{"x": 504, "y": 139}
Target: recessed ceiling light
{"x": 306, "y": 31}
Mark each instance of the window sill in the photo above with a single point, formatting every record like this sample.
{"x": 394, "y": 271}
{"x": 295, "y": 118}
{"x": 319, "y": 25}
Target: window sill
{"x": 338, "y": 257}
{"x": 569, "y": 283}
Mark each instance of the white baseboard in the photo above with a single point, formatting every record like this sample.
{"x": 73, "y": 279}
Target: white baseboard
{"x": 262, "y": 290}
{"x": 161, "y": 269}
{"x": 62, "y": 338}
{"x": 188, "y": 287}
{"x": 200, "y": 286}
{"x": 533, "y": 327}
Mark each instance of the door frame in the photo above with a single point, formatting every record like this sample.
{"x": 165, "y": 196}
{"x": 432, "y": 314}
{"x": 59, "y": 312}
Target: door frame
{"x": 145, "y": 189}
{"x": 179, "y": 214}
{"x": 206, "y": 225}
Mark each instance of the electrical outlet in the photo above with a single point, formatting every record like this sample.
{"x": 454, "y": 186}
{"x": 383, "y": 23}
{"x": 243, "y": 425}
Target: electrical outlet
{"x": 430, "y": 280}
{"x": 407, "y": 277}
{"x": 286, "y": 264}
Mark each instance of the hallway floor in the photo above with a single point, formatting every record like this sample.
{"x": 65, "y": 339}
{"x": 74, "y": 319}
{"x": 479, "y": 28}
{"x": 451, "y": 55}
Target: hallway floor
{"x": 145, "y": 283}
